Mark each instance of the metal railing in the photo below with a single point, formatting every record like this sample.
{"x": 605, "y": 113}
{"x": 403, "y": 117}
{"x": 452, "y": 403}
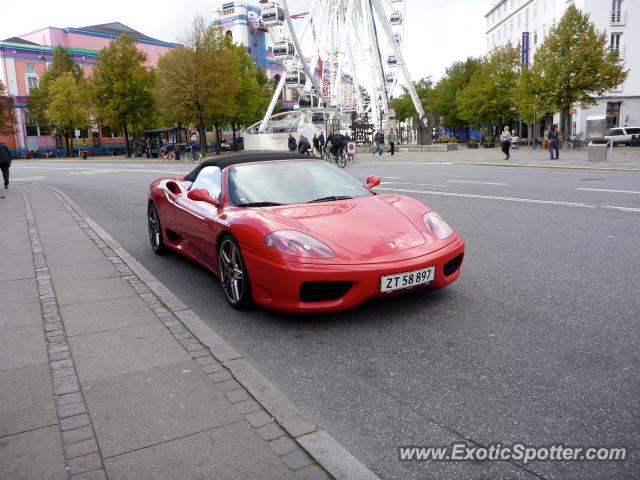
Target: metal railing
{"x": 618, "y": 17}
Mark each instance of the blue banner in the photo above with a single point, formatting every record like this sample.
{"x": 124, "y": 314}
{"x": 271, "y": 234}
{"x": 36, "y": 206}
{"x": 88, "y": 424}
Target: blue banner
{"x": 525, "y": 48}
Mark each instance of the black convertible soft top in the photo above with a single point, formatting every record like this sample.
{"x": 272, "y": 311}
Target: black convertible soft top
{"x": 247, "y": 157}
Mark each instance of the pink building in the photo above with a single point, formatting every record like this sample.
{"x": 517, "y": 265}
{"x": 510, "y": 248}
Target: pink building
{"x": 24, "y": 59}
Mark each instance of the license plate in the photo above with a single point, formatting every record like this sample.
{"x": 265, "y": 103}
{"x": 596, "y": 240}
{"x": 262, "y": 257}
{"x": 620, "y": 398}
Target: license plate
{"x": 398, "y": 281}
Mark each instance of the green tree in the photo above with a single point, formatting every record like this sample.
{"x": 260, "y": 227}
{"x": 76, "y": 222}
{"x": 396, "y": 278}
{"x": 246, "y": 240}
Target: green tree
{"x": 123, "y": 87}
{"x": 446, "y": 91}
{"x": 403, "y": 105}
{"x": 39, "y": 97}
{"x": 198, "y": 82}
{"x": 6, "y": 112}
{"x": 67, "y": 106}
{"x": 254, "y": 92}
{"x": 487, "y": 98}
{"x": 573, "y": 65}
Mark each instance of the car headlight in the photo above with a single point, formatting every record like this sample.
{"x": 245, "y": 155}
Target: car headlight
{"x": 299, "y": 244}
{"x": 437, "y": 226}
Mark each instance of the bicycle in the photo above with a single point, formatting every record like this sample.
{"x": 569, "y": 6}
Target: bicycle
{"x": 339, "y": 159}
{"x": 192, "y": 156}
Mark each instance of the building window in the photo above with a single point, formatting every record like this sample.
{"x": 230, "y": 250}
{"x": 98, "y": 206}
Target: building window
{"x": 615, "y": 42}
{"x": 31, "y": 77}
{"x": 32, "y": 131}
{"x": 613, "y": 114}
{"x": 535, "y": 37}
{"x": 616, "y": 11}
{"x": 32, "y": 82}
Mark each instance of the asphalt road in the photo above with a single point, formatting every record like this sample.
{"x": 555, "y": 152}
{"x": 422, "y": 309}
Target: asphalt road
{"x": 538, "y": 342}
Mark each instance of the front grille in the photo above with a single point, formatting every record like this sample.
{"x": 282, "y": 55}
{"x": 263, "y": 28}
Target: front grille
{"x": 452, "y": 266}
{"x": 323, "y": 291}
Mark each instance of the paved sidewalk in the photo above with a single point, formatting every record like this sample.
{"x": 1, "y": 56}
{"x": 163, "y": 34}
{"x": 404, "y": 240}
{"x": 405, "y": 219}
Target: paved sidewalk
{"x": 102, "y": 378}
{"x": 622, "y": 158}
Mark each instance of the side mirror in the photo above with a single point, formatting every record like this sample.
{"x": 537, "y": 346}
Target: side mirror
{"x": 372, "y": 181}
{"x": 201, "y": 195}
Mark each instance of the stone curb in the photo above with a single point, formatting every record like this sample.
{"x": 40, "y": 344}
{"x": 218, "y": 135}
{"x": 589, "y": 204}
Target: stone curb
{"x": 238, "y": 372}
{"x": 511, "y": 165}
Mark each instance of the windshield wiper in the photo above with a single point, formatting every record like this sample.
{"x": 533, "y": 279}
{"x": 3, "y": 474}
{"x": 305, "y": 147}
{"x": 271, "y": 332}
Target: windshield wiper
{"x": 331, "y": 199}
{"x": 260, "y": 204}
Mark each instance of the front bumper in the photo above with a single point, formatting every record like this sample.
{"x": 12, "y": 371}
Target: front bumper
{"x": 276, "y": 284}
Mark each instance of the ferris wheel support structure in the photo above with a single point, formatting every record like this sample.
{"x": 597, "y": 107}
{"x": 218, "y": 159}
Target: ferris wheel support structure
{"x": 356, "y": 48}
{"x": 401, "y": 64}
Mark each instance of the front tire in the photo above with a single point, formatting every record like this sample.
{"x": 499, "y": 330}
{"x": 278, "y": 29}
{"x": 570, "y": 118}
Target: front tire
{"x": 234, "y": 277}
{"x": 155, "y": 231}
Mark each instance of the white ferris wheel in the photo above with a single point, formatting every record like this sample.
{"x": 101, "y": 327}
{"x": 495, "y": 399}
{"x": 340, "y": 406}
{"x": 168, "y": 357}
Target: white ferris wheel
{"x": 339, "y": 56}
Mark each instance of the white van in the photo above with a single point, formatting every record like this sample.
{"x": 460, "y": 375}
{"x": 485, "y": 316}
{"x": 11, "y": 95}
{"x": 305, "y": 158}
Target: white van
{"x": 622, "y": 135}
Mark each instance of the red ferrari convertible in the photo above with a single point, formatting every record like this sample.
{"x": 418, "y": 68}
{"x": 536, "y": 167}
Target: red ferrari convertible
{"x": 295, "y": 233}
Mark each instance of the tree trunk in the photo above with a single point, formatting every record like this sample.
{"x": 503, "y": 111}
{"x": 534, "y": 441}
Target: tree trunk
{"x": 233, "y": 128}
{"x": 202, "y": 132}
{"x": 218, "y": 138}
{"x": 66, "y": 141}
{"x": 126, "y": 140}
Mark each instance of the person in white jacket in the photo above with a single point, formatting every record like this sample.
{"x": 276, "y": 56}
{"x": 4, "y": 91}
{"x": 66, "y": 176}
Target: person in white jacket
{"x": 505, "y": 140}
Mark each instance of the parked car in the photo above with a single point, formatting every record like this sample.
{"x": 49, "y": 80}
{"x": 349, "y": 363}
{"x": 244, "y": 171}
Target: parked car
{"x": 622, "y": 135}
{"x": 297, "y": 234}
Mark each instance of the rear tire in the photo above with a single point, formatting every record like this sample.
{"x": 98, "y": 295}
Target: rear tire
{"x": 155, "y": 231}
{"x": 234, "y": 277}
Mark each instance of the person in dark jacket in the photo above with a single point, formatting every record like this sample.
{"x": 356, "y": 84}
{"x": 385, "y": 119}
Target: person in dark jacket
{"x": 316, "y": 143}
{"x": 321, "y": 142}
{"x": 303, "y": 145}
{"x": 5, "y": 163}
{"x": 293, "y": 145}
{"x": 553, "y": 144}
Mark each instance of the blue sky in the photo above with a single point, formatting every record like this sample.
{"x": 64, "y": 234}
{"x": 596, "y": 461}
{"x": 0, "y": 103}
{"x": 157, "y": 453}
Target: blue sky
{"x": 437, "y": 32}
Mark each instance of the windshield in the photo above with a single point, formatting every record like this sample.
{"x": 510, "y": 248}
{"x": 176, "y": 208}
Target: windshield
{"x": 288, "y": 182}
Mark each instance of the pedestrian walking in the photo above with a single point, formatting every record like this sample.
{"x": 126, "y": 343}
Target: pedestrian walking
{"x": 392, "y": 142}
{"x": 505, "y": 141}
{"x": 321, "y": 142}
{"x": 378, "y": 140}
{"x": 5, "y": 163}
{"x": 293, "y": 145}
{"x": 303, "y": 145}
{"x": 316, "y": 143}
{"x": 553, "y": 145}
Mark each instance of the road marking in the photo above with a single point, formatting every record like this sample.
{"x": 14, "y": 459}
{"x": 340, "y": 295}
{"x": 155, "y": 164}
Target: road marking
{"x": 27, "y": 179}
{"x": 414, "y": 184}
{"x": 606, "y": 190}
{"x": 480, "y": 183}
{"x": 512, "y": 199}
{"x": 623, "y": 209}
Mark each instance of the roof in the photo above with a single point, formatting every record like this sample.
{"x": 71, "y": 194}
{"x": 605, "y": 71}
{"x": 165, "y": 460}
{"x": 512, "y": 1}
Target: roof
{"x": 19, "y": 40}
{"x": 116, "y": 29}
{"x": 247, "y": 157}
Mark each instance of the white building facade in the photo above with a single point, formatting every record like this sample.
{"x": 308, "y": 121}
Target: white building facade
{"x": 513, "y": 20}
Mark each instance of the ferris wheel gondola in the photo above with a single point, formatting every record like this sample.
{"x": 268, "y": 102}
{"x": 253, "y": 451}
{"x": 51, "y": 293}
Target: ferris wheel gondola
{"x": 295, "y": 78}
{"x": 273, "y": 14}
{"x": 396, "y": 18}
{"x": 283, "y": 49}
{"x": 308, "y": 100}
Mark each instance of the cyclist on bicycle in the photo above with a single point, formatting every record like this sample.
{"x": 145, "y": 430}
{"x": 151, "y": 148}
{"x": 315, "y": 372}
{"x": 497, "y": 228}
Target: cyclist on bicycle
{"x": 338, "y": 143}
